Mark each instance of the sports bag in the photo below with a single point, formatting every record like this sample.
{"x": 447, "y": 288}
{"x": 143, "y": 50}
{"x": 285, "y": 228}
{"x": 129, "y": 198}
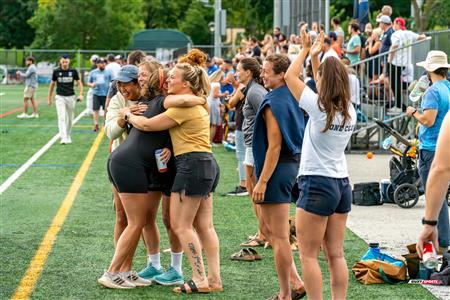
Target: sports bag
{"x": 378, "y": 271}
{"x": 367, "y": 194}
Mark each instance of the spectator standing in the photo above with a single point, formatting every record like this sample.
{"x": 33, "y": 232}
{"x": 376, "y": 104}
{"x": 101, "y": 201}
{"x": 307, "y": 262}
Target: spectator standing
{"x": 112, "y": 66}
{"x": 340, "y": 34}
{"x": 327, "y": 50}
{"x": 399, "y": 59}
{"x": 256, "y": 50}
{"x": 335, "y": 44}
{"x": 90, "y": 95}
{"x": 354, "y": 44}
{"x": 99, "y": 80}
{"x": 373, "y": 45}
{"x": 29, "y": 93}
{"x": 278, "y": 34}
{"x": 211, "y": 65}
{"x": 434, "y": 106}
{"x": 386, "y": 26}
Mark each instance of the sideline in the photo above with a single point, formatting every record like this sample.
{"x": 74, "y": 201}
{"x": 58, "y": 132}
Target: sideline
{"x": 10, "y": 112}
{"x": 29, "y": 280}
{"x": 7, "y": 183}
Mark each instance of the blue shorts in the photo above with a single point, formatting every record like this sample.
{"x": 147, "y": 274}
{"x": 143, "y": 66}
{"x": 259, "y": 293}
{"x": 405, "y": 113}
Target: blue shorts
{"x": 324, "y": 196}
{"x": 282, "y": 185}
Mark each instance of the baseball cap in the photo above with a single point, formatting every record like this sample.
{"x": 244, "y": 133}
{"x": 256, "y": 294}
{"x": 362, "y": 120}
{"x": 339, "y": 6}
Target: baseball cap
{"x": 101, "y": 60}
{"x": 384, "y": 19}
{"x": 401, "y": 22}
{"x": 65, "y": 56}
{"x": 127, "y": 73}
{"x": 94, "y": 57}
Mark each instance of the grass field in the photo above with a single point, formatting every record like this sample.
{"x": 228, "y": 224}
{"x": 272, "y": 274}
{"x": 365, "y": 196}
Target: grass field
{"x": 84, "y": 246}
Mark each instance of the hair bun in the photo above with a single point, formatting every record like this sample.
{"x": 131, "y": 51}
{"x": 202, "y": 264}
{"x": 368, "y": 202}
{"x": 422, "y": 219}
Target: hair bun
{"x": 195, "y": 57}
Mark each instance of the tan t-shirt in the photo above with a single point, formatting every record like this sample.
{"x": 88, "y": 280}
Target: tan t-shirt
{"x": 192, "y": 132}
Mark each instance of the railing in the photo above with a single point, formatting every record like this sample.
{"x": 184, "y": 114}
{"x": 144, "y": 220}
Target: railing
{"x": 386, "y": 98}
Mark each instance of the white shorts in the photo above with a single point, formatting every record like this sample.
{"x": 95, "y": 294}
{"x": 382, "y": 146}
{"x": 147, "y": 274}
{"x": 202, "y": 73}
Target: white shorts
{"x": 29, "y": 92}
{"x": 248, "y": 160}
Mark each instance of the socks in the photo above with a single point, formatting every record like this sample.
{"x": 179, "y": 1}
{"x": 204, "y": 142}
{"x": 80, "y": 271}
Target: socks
{"x": 176, "y": 261}
{"x": 155, "y": 260}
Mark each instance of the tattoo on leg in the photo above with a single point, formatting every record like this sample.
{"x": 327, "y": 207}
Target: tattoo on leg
{"x": 197, "y": 258}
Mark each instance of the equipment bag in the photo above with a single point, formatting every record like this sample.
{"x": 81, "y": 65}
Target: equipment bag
{"x": 367, "y": 194}
{"x": 378, "y": 271}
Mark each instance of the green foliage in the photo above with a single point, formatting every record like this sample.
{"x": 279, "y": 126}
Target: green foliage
{"x": 15, "y": 32}
{"x": 195, "y": 23}
{"x": 438, "y": 14}
{"x": 165, "y": 13}
{"x": 86, "y": 24}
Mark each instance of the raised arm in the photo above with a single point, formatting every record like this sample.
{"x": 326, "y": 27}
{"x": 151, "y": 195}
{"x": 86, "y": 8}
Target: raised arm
{"x": 292, "y": 76}
{"x": 315, "y": 51}
{"x": 236, "y": 97}
{"x": 157, "y": 123}
{"x": 185, "y": 100}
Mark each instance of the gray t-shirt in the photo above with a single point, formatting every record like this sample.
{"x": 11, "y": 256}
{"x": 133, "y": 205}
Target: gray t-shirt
{"x": 254, "y": 96}
{"x": 30, "y": 76}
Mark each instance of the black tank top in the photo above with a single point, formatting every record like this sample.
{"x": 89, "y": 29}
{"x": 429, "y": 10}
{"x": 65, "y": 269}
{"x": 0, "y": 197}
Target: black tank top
{"x": 140, "y": 146}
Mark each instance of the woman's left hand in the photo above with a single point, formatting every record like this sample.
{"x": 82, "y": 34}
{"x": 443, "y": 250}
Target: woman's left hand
{"x": 258, "y": 192}
{"x": 166, "y": 154}
{"x": 123, "y": 112}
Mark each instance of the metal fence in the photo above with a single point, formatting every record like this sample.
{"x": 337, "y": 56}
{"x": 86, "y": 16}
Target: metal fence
{"x": 380, "y": 87}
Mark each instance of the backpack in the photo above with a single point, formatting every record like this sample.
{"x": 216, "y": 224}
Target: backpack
{"x": 367, "y": 194}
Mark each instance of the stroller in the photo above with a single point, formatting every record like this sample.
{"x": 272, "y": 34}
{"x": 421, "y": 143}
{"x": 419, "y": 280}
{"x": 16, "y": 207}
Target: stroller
{"x": 406, "y": 186}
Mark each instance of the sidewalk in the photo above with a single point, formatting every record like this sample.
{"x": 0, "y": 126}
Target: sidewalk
{"x": 390, "y": 225}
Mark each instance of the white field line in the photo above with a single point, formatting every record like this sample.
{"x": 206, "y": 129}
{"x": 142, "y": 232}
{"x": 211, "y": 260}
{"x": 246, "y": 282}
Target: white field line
{"x": 8, "y": 182}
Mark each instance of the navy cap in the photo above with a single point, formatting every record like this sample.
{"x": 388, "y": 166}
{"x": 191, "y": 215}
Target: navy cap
{"x": 127, "y": 73}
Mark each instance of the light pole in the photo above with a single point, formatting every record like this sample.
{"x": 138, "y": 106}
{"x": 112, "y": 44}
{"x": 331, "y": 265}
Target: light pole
{"x": 217, "y": 33}
{"x": 211, "y": 26}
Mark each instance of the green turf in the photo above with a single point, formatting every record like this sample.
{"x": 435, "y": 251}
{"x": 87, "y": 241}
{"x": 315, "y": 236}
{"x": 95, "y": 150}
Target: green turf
{"x": 84, "y": 246}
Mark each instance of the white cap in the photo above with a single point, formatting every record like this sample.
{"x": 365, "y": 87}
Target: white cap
{"x": 384, "y": 19}
{"x": 435, "y": 59}
{"x": 94, "y": 57}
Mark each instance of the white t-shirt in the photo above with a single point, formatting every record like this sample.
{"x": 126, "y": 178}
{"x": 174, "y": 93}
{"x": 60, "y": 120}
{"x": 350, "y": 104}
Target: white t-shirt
{"x": 354, "y": 89}
{"x": 323, "y": 153}
{"x": 113, "y": 68}
{"x": 211, "y": 98}
{"x": 402, "y": 38}
{"x": 329, "y": 53}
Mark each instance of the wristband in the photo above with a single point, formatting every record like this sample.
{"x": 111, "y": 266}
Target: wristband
{"x": 414, "y": 112}
{"x": 429, "y": 222}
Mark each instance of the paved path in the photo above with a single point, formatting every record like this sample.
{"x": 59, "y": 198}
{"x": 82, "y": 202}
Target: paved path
{"x": 390, "y": 225}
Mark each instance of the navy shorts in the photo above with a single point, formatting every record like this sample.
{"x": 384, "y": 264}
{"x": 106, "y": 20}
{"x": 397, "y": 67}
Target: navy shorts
{"x": 324, "y": 196}
{"x": 98, "y": 101}
{"x": 282, "y": 185}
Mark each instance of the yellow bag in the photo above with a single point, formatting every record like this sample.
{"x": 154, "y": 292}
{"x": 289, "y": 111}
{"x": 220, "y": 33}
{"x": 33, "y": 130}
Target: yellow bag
{"x": 377, "y": 271}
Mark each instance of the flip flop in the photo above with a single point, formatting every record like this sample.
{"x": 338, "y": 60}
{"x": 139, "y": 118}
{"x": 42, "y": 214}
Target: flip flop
{"x": 255, "y": 253}
{"x": 243, "y": 255}
{"x": 255, "y": 242}
{"x": 216, "y": 290}
{"x": 193, "y": 289}
{"x": 298, "y": 294}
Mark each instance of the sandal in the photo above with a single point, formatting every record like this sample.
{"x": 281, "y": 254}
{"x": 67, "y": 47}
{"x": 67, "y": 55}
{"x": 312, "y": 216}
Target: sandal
{"x": 298, "y": 294}
{"x": 216, "y": 289}
{"x": 254, "y": 253}
{"x": 192, "y": 288}
{"x": 255, "y": 242}
{"x": 243, "y": 255}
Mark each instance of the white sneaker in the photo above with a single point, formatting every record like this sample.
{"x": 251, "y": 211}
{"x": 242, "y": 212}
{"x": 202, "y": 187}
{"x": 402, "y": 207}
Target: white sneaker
{"x": 34, "y": 115}
{"x": 69, "y": 140}
{"x": 135, "y": 279}
{"x": 63, "y": 141}
{"x": 115, "y": 281}
{"x": 23, "y": 116}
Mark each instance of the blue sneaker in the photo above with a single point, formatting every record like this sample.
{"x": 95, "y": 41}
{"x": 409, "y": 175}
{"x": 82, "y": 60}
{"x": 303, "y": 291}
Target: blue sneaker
{"x": 149, "y": 272}
{"x": 171, "y": 277}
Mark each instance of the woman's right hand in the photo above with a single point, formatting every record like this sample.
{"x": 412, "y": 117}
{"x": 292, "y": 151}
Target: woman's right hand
{"x": 138, "y": 109}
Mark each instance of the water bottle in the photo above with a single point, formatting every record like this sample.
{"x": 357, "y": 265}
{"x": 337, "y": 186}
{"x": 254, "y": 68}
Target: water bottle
{"x": 373, "y": 252}
{"x": 419, "y": 89}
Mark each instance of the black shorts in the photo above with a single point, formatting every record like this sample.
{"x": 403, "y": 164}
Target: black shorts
{"x": 139, "y": 179}
{"x": 197, "y": 174}
{"x": 282, "y": 185}
{"x": 97, "y": 102}
{"x": 324, "y": 196}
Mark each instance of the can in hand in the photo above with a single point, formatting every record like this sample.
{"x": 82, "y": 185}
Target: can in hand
{"x": 429, "y": 257}
{"x": 162, "y": 166}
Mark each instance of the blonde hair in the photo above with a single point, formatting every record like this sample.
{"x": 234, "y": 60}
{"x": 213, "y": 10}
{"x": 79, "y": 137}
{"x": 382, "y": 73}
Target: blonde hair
{"x": 216, "y": 76}
{"x": 192, "y": 66}
{"x": 154, "y": 86}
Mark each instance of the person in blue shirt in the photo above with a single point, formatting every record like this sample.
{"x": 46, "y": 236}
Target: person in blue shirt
{"x": 99, "y": 82}
{"x": 212, "y": 67}
{"x": 435, "y": 105}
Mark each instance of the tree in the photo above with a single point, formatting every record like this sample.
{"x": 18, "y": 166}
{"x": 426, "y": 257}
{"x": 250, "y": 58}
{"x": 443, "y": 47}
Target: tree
{"x": 165, "y": 13}
{"x": 86, "y": 24}
{"x": 195, "y": 24}
{"x": 15, "y": 32}
{"x": 432, "y": 14}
